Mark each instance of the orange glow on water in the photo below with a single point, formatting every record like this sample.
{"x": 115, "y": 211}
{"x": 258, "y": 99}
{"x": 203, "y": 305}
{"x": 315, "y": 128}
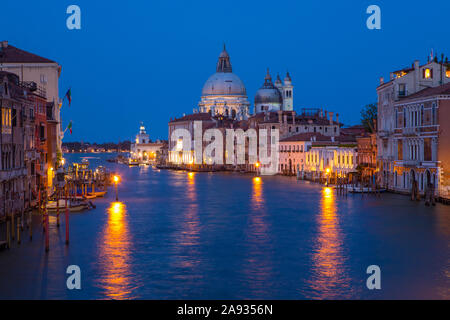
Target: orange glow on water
{"x": 114, "y": 254}
{"x": 329, "y": 260}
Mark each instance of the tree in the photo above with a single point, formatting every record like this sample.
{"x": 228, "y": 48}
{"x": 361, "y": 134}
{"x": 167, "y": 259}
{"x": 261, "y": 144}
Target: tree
{"x": 368, "y": 116}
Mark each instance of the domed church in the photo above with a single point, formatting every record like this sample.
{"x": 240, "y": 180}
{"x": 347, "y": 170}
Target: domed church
{"x": 276, "y": 97}
{"x": 224, "y": 93}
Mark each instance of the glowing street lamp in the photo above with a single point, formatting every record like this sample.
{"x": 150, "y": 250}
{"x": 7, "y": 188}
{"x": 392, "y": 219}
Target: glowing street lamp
{"x": 327, "y": 172}
{"x": 257, "y": 165}
{"x": 116, "y": 181}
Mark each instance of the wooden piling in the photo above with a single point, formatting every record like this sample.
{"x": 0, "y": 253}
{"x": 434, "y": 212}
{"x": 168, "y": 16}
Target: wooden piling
{"x": 57, "y": 208}
{"x": 12, "y": 226}
{"x": 18, "y": 230}
{"x": 8, "y": 234}
{"x": 31, "y": 225}
{"x": 67, "y": 220}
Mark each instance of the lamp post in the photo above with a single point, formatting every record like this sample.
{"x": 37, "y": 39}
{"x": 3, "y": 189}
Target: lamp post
{"x": 116, "y": 181}
{"x": 327, "y": 172}
{"x": 257, "y": 164}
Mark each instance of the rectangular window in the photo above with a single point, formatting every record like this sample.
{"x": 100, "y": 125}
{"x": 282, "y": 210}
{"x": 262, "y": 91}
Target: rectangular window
{"x": 427, "y": 149}
{"x": 400, "y": 150}
{"x": 427, "y": 73}
{"x": 402, "y": 89}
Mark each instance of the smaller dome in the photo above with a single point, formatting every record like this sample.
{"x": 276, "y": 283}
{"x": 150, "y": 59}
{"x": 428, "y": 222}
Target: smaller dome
{"x": 268, "y": 93}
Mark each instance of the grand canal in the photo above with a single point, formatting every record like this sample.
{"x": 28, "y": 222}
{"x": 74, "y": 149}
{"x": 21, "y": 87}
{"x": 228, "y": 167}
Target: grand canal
{"x": 179, "y": 235}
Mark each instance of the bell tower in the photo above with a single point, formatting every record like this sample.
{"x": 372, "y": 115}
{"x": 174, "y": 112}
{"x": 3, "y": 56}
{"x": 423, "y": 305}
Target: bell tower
{"x": 288, "y": 94}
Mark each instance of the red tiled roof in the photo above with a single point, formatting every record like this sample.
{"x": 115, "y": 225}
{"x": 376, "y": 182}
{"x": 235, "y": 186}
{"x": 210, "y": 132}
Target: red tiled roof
{"x": 306, "y": 136}
{"x": 11, "y": 54}
{"x": 204, "y": 116}
{"x": 428, "y": 92}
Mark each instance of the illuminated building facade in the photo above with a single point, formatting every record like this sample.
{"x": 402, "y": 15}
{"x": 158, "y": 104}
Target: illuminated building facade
{"x": 316, "y": 155}
{"x": 143, "y": 149}
{"x": 402, "y": 84}
{"x": 421, "y": 140}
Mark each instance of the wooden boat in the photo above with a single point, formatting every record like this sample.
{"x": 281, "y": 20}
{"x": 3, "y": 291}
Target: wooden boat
{"x": 98, "y": 193}
{"x": 86, "y": 196}
{"x": 364, "y": 190}
{"x": 74, "y": 206}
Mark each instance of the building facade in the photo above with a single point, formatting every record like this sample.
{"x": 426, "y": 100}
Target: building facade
{"x": 143, "y": 149}
{"x": 421, "y": 141}
{"x": 403, "y": 83}
{"x": 43, "y": 72}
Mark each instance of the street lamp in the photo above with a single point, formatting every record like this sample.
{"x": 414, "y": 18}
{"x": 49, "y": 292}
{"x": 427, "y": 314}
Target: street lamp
{"x": 116, "y": 181}
{"x": 327, "y": 171}
{"x": 257, "y": 164}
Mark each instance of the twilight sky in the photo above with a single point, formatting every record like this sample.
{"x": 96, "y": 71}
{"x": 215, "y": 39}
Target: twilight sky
{"x": 148, "y": 60}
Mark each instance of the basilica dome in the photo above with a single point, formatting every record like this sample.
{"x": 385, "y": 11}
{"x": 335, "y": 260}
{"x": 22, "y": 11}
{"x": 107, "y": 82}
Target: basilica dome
{"x": 224, "y": 81}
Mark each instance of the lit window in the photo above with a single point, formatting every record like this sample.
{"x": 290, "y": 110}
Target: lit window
{"x": 427, "y": 73}
{"x": 447, "y": 73}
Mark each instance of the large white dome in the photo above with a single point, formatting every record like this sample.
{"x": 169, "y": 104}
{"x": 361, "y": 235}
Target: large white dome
{"x": 224, "y": 83}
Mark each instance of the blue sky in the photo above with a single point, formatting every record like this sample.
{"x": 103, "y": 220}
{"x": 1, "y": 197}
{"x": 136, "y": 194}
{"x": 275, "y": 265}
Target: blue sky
{"x": 148, "y": 60}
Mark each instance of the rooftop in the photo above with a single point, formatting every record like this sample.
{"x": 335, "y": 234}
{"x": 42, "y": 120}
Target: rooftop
{"x": 11, "y": 54}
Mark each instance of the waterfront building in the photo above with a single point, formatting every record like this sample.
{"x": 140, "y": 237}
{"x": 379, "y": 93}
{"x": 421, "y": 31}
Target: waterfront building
{"x": 421, "y": 140}
{"x": 224, "y": 93}
{"x": 367, "y": 155}
{"x": 292, "y": 152}
{"x": 314, "y": 155}
{"x": 310, "y": 120}
{"x": 30, "y": 67}
{"x": 177, "y": 154}
{"x": 402, "y": 84}
{"x": 13, "y": 167}
{"x": 143, "y": 149}
{"x": 224, "y": 105}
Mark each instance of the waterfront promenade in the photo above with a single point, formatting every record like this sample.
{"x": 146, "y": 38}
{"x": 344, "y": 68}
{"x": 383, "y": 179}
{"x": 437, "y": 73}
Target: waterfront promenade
{"x": 180, "y": 235}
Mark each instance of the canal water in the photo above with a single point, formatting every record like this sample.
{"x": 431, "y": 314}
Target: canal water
{"x": 180, "y": 235}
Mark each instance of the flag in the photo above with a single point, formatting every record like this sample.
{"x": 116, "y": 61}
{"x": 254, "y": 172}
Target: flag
{"x": 70, "y": 127}
{"x": 68, "y": 96}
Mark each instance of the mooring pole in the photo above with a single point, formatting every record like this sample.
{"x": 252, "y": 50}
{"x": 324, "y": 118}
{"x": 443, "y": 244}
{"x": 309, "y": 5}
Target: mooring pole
{"x": 47, "y": 242}
{"x": 67, "y": 219}
{"x": 57, "y": 207}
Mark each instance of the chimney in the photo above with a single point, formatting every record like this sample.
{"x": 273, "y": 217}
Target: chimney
{"x": 280, "y": 113}
{"x": 337, "y": 118}
{"x": 391, "y": 76}
{"x": 381, "y": 80}
{"x": 293, "y": 117}
{"x": 416, "y": 64}
{"x": 326, "y": 114}
{"x": 331, "y": 118}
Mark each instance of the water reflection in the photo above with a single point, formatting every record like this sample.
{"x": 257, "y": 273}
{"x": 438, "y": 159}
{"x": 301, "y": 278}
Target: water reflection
{"x": 258, "y": 268}
{"x": 114, "y": 254}
{"x": 329, "y": 269}
{"x": 188, "y": 235}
